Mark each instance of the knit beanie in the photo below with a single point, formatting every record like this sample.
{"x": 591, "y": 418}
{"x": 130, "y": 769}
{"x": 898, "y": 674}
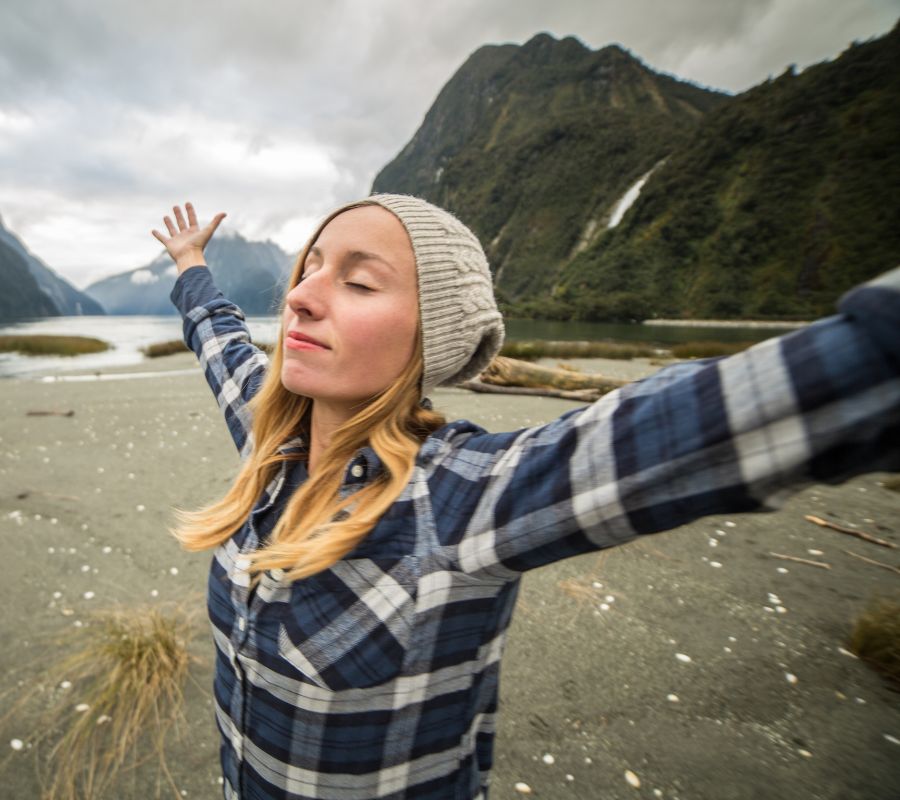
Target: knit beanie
{"x": 462, "y": 329}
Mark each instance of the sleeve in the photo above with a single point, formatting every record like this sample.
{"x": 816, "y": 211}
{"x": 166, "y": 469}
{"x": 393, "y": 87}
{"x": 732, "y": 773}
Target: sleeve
{"x": 722, "y": 435}
{"x": 215, "y": 330}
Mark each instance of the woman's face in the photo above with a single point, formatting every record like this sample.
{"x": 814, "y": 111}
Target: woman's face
{"x": 350, "y": 323}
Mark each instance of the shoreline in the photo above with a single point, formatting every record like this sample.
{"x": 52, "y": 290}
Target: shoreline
{"x": 761, "y": 324}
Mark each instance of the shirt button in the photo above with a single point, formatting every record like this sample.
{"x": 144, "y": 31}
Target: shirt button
{"x": 357, "y": 471}
{"x": 242, "y": 623}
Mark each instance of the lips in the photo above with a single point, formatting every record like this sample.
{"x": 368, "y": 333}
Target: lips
{"x": 300, "y": 341}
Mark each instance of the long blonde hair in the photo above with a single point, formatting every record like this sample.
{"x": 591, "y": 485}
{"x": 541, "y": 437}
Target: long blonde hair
{"x": 317, "y": 527}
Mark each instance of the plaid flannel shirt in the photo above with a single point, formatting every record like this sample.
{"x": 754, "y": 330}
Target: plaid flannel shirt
{"x": 378, "y": 677}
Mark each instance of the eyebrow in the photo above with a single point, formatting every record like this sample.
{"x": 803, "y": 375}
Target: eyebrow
{"x": 357, "y": 255}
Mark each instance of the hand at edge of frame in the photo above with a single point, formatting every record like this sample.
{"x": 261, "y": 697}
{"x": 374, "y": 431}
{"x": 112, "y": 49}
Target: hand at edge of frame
{"x": 186, "y": 239}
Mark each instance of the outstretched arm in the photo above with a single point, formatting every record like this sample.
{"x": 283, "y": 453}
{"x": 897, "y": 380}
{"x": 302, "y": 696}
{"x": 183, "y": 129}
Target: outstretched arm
{"x": 214, "y": 328}
{"x": 699, "y": 438}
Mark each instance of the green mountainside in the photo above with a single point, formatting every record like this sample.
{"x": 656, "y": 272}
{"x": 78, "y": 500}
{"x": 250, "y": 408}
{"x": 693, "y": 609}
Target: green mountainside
{"x": 767, "y": 204}
{"x": 782, "y": 200}
{"x": 529, "y": 144}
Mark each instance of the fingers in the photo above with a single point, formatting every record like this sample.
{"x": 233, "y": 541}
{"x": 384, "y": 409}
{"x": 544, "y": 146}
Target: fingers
{"x": 192, "y": 215}
{"x": 215, "y": 223}
{"x": 169, "y": 226}
{"x": 179, "y": 217}
{"x": 158, "y": 235}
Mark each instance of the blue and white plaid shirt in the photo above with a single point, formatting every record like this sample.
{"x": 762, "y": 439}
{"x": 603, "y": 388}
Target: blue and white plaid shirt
{"x": 378, "y": 677}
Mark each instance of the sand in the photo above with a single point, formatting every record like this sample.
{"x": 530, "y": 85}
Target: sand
{"x": 593, "y": 685}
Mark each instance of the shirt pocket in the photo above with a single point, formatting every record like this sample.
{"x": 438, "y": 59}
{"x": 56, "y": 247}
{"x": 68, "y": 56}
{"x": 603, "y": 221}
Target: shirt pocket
{"x": 350, "y": 626}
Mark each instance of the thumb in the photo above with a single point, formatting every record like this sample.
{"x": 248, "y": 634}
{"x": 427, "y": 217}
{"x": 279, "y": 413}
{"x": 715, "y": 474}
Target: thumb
{"x": 214, "y": 223}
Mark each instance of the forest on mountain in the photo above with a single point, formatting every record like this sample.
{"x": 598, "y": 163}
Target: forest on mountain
{"x": 768, "y": 204}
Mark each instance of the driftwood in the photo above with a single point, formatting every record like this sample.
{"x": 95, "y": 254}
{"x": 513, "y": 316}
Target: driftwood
{"x": 866, "y": 537}
{"x": 807, "y": 561}
{"x": 891, "y": 567}
{"x": 512, "y": 376}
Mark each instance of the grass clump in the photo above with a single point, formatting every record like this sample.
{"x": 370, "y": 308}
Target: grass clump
{"x": 876, "y": 637}
{"x": 110, "y": 700}
{"x": 892, "y": 483}
{"x": 164, "y": 348}
{"x": 532, "y": 349}
{"x": 708, "y": 349}
{"x": 40, "y": 344}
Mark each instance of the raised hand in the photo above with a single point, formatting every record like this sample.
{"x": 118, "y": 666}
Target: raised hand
{"x": 187, "y": 239}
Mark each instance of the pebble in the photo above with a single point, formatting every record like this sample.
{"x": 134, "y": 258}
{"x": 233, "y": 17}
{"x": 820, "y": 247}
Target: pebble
{"x": 88, "y": 595}
{"x": 730, "y": 524}
{"x": 57, "y": 595}
{"x": 632, "y": 779}
{"x": 892, "y": 739}
{"x": 610, "y": 599}
{"x": 657, "y": 792}
{"x": 570, "y": 777}
{"x": 548, "y": 759}
{"x": 66, "y": 685}
{"x": 82, "y": 707}
{"x": 523, "y": 788}
{"x": 814, "y": 552}
{"x": 781, "y": 570}
{"x": 672, "y": 698}
{"x": 141, "y": 507}
{"x": 16, "y": 744}
{"x": 805, "y": 753}
{"x": 107, "y": 550}
{"x": 715, "y": 564}
{"x": 173, "y": 570}
{"x": 154, "y": 593}
{"x": 790, "y": 678}
{"x": 103, "y": 719}
{"x": 683, "y": 658}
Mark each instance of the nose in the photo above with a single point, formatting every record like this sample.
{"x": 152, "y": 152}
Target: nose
{"x": 307, "y": 298}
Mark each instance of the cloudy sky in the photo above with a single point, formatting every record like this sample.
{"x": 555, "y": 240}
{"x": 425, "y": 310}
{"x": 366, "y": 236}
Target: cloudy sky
{"x": 111, "y": 110}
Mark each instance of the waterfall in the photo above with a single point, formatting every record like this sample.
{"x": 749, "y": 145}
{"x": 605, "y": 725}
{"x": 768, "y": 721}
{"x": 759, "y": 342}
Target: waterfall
{"x": 627, "y": 199}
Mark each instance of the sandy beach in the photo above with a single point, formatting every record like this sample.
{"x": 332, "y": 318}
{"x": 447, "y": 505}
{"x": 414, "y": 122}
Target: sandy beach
{"x": 693, "y": 660}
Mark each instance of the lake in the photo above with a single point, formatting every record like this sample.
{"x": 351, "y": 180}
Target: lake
{"x": 128, "y": 334}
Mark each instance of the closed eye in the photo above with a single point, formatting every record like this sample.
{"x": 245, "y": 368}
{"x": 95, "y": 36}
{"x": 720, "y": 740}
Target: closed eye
{"x": 360, "y": 286}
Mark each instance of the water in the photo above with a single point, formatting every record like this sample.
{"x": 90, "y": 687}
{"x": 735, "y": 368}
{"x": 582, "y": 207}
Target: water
{"x": 129, "y": 334}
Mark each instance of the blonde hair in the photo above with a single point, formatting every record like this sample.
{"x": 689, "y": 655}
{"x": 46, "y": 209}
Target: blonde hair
{"x": 318, "y": 527}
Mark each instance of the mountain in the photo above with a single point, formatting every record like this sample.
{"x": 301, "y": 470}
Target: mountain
{"x": 65, "y": 299}
{"x": 531, "y": 146}
{"x": 766, "y": 204}
{"x": 21, "y": 297}
{"x": 251, "y": 274}
{"x": 783, "y": 198}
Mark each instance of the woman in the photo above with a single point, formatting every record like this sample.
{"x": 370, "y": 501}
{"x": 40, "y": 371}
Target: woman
{"x": 367, "y": 556}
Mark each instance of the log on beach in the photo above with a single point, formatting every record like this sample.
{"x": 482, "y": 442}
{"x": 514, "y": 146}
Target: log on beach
{"x": 511, "y": 372}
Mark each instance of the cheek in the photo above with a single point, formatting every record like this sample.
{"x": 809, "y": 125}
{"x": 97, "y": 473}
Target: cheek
{"x": 385, "y": 341}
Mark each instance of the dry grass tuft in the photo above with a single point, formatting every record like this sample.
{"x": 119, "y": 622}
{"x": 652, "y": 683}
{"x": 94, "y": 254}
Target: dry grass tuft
{"x": 110, "y": 700}
{"x": 876, "y": 636}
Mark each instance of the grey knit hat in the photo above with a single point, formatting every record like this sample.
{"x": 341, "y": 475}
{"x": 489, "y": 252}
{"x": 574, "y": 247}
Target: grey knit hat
{"x": 462, "y": 329}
